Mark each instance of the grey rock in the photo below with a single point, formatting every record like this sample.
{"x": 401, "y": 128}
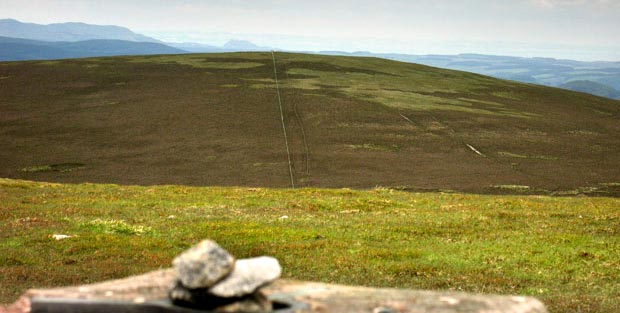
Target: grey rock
{"x": 247, "y": 277}
{"x": 256, "y": 302}
{"x": 203, "y": 265}
{"x": 178, "y": 293}
{"x": 201, "y": 300}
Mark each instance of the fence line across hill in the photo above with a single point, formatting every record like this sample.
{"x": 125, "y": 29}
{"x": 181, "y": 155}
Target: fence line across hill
{"x": 288, "y": 151}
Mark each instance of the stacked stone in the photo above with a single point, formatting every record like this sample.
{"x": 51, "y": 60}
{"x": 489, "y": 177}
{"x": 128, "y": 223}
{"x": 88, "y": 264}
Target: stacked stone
{"x": 209, "y": 278}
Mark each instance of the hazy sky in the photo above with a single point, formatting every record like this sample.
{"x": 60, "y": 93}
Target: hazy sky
{"x": 579, "y": 29}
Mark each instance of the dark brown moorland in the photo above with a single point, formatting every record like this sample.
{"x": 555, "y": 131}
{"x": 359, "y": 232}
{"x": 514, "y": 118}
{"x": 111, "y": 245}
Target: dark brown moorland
{"x": 214, "y": 119}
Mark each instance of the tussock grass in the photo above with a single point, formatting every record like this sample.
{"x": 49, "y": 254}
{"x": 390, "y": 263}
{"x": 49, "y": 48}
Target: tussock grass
{"x": 116, "y": 227}
{"x": 564, "y": 251}
{"x": 63, "y": 167}
{"x": 521, "y": 156}
{"x": 513, "y": 187}
{"x": 374, "y": 147}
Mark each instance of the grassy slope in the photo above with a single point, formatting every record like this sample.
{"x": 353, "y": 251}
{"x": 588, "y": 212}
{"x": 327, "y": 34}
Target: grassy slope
{"x": 352, "y": 122}
{"x": 565, "y": 251}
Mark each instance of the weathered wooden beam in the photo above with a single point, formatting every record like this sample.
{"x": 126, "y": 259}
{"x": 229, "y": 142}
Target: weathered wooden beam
{"x": 153, "y": 288}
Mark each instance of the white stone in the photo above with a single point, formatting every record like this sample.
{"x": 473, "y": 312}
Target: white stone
{"x": 247, "y": 277}
{"x": 60, "y": 237}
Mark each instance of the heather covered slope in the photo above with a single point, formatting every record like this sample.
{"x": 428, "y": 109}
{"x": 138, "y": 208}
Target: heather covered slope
{"x": 351, "y": 122}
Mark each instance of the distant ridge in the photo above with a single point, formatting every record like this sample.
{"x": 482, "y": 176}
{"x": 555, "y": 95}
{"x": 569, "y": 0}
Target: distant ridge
{"x": 592, "y": 88}
{"x": 68, "y": 32}
{"x": 101, "y": 42}
{"x": 242, "y": 45}
{"x": 230, "y": 46}
{"x": 17, "y": 49}
{"x": 195, "y": 47}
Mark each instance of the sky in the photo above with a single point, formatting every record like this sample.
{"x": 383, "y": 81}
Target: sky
{"x": 571, "y": 29}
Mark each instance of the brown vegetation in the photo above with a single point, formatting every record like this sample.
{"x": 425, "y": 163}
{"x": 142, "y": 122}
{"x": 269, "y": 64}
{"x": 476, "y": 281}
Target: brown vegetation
{"x": 352, "y": 122}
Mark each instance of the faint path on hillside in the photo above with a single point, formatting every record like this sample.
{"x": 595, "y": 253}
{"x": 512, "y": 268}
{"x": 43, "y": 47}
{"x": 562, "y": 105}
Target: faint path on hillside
{"x": 299, "y": 120}
{"x": 453, "y": 135}
{"x": 288, "y": 151}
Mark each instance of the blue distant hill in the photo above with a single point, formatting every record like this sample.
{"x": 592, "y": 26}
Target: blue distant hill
{"x": 68, "y": 32}
{"x": 17, "y": 49}
{"x": 29, "y": 41}
{"x": 592, "y": 88}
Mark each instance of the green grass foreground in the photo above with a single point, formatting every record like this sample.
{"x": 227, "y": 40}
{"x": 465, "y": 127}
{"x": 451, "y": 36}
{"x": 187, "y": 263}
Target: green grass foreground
{"x": 565, "y": 251}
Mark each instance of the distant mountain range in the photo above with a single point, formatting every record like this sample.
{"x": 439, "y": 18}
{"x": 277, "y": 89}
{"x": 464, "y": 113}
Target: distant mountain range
{"x": 16, "y": 49}
{"x": 244, "y": 45}
{"x": 28, "y": 41}
{"x": 68, "y": 32}
{"x": 231, "y": 46}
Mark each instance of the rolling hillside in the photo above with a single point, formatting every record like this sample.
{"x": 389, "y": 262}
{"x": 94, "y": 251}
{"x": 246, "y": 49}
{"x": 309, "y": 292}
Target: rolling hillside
{"x": 215, "y": 119}
{"x": 543, "y": 71}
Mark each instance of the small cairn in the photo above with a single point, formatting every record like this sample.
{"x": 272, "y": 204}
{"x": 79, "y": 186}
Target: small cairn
{"x": 209, "y": 278}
